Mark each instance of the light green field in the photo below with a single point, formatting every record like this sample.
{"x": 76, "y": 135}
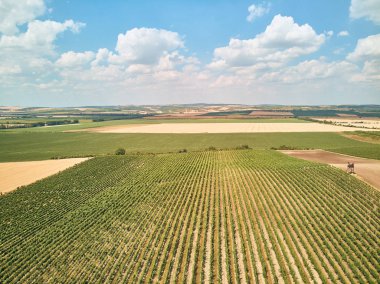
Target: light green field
{"x": 27, "y": 146}
{"x": 242, "y": 216}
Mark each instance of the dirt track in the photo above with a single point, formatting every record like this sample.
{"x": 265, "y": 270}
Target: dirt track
{"x": 366, "y": 169}
{"x": 221, "y": 128}
{"x": 15, "y": 174}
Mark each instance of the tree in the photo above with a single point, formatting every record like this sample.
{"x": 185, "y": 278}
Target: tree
{"x": 120, "y": 151}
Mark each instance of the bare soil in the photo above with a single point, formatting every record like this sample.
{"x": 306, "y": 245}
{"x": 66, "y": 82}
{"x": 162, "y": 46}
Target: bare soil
{"x": 221, "y": 128}
{"x": 365, "y": 169}
{"x": 15, "y": 174}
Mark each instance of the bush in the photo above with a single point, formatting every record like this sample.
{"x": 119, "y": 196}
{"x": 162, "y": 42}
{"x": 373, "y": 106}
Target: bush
{"x": 182, "y": 151}
{"x": 211, "y": 148}
{"x": 243, "y": 147}
{"x": 284, "y": 147}
{"x": 120, "y": 151}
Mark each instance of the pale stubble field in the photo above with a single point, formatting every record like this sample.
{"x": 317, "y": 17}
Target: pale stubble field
{"x": 221, "y": 128}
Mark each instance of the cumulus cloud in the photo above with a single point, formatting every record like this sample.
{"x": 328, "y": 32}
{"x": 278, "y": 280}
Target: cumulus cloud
{"x": 14, "y": 13}
{"x": 142, "y": 57}
{"x": 9, "y": 70}
{"x": 312, "y": 70}
{"x": 147, "y": 45}
{"x": 367, "y": 54}
{"x": 371, "y": 70}
{"x": 29, "y": 54}
{"x": 282, "y": 41}
{"x": 102, "y": 57}
{"x": 257, "y": 11}
{"x": 151, "y": 61}
{"x": 75, "y": 59}
{"x": 368, "y": 9}
{"x": 366, "y": 48}
{"x": 39, "y": 35}
{"x": 329, "y": 34}
{"x": 343, "y": 33}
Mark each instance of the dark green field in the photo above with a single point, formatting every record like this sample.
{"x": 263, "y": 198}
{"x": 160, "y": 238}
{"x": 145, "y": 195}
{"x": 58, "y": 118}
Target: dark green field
{"x": 252, "y": 216}
{"x": 27, "y": 146}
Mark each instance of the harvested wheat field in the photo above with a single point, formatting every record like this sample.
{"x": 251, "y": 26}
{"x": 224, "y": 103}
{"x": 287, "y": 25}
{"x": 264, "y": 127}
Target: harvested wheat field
{"x": 222, "y": 128}
{"x": 362, "y": 122}
{"x": 366, "y": 169}
{"x": 15, "y": 174}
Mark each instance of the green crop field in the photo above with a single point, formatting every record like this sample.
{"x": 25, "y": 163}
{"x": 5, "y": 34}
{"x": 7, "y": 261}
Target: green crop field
{"x": 27, "y": 146}
{"x": 220, "y": 216}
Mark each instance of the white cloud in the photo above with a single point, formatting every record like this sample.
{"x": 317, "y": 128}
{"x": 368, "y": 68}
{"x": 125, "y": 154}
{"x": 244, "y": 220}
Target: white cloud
{"x": 371, "y": 70}
{"x": 149, "y": 63}
{"x": 343, "y": 33}
{"x": 142, "y": 57}
{"x": 257, "y": 11}
{"x": 102, "y": 57}
{"x": 75, "y": 59}
{"x": 366, "y": 48}
{"x": 329, "y": 34}
{"x": 282, "y": 41}
{"x": 146, "y": 45}
{"x": 368, "y": 9}
{"x": 39, "y": 36}
{"x": 367, "y": 54}
{"x": 138, "y": 69}
{"x": 310, "y": 70}
{"x": 18, "y": 12}
{"x": 9, "y": 70}
{"x": 29, "y": 54}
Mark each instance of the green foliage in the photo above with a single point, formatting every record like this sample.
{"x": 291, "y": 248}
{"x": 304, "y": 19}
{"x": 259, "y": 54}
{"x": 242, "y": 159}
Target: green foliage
{"x": 242, "y": 147}
{"x": 172, "y": 217}
{"x": 120, "y": 151}
{"x": 373, "y": 135}
{"x": 19, "y": 124}
{"x": 283, "y": 147}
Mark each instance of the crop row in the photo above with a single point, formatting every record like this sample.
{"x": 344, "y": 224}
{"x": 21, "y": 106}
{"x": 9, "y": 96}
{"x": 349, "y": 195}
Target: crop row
{"x": 214, "y": 216}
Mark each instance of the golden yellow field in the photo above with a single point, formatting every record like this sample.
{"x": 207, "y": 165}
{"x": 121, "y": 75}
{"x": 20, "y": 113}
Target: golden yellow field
{"x": 15, "y": 174}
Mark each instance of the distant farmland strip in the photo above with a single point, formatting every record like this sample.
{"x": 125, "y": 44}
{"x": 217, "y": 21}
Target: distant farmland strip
{"x": 240, "y": 216}
{"x": 41, "y": 146}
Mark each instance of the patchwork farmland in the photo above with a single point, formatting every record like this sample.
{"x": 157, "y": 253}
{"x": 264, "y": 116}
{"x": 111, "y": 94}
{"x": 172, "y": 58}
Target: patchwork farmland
{"x": 239, "y": 216}
{"x": 231, "y": 142}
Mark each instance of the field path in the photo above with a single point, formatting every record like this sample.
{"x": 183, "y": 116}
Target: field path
{"x": 15, "y": 174}
{"x": 366, "y": 169}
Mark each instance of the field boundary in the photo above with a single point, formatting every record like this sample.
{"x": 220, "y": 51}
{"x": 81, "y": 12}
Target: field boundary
{"x": 365, "y": 169}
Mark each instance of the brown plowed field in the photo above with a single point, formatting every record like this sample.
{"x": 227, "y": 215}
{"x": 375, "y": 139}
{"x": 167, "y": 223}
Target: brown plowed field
{"x": 366, "y": 169}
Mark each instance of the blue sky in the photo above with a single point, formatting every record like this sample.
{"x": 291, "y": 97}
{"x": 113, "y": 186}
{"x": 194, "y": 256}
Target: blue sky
{"x": 204, "y": 24}
{"x": 68, "y": 53}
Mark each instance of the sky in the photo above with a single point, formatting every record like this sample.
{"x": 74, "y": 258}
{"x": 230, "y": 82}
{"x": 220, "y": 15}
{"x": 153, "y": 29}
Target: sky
{"x": 93, "y": 52}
